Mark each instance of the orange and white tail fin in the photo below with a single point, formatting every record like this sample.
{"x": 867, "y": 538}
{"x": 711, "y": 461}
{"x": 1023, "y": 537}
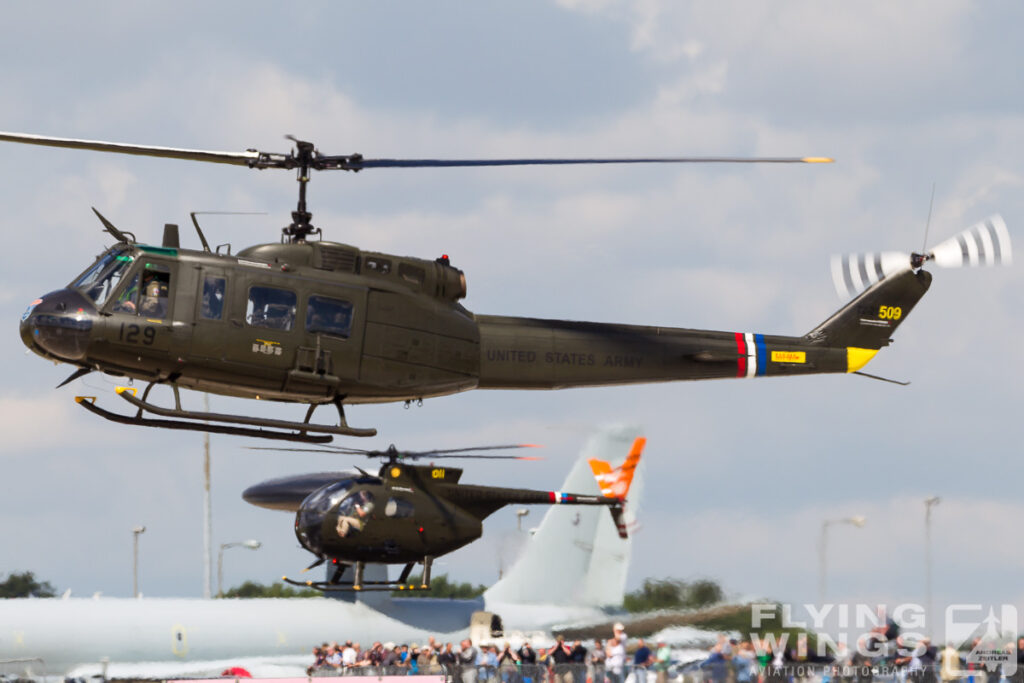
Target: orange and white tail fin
{"x": 593, "y": 557}
{"x": 615, "y": 483}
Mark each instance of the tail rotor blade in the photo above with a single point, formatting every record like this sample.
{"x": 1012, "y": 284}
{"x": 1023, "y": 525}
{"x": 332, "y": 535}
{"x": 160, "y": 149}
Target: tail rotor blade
{"x": 983, "y": 244}
{"x": 853, "y": 273}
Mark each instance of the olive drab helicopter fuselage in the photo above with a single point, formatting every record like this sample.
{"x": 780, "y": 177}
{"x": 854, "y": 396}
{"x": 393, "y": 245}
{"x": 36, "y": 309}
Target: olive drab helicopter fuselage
{"x": 317, "y": 322}
{"x": 409, "y": 513}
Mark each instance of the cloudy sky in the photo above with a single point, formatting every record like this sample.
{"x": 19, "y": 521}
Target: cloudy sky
{"x": 742, "y": 473}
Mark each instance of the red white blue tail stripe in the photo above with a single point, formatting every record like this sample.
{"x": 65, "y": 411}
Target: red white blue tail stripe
{"x": 751, "y": 355}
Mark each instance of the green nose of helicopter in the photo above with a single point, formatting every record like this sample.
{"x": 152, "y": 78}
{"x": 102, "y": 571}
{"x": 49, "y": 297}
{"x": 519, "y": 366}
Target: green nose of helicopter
{"x": 58, "y": 325}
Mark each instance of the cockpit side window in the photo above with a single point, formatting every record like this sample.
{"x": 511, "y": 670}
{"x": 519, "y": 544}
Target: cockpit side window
{"x": 154, "y": 295}
{"x": 398, "y": 508}
{"x": 147, "y": 292}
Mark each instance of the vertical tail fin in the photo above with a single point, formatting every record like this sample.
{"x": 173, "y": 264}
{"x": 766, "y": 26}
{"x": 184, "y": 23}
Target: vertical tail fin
{"x": 615, "y": 483}
{"x": 869, "y": 321}
{"x": 582, "y": 542}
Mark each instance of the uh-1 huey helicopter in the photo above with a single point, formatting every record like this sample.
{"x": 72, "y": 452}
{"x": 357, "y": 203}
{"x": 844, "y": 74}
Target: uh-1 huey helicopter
{"x": 316, "y": 322}
{"x": 409, "y": 514}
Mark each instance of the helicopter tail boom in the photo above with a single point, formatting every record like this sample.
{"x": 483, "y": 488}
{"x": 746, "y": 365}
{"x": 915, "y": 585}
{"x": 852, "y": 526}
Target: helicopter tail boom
{"x": 614, "y": 484}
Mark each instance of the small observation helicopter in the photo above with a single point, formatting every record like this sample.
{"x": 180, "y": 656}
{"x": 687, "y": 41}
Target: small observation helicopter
{"x": 411, "y": 513}
{"x": 315, "y": 322}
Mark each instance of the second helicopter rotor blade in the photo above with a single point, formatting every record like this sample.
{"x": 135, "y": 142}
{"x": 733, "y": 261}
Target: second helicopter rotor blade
{"x": 444, "y": 451}
{"x": 484, "y": 456}
{"x": 450, "y": 453}
{"x": 332, "y": 451}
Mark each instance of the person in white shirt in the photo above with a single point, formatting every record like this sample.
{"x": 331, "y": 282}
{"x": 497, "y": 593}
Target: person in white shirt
{"x": 348, "y": 656}
{"x": 615, "y": 661}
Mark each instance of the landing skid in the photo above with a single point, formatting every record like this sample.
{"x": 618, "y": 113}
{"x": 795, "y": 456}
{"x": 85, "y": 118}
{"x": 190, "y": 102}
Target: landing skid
{"x": 337, "y": 582}
{"x": 200, "y": 421}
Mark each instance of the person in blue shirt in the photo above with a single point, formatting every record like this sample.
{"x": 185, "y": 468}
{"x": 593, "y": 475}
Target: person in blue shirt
{"x": 643, "y": 656}
{"x": 717, "y": 665}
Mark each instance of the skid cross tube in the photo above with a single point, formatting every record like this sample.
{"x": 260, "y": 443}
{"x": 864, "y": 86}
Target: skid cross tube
{"x": 88, "y": 403}
{"x": 335, "y": 584}
{"x": 342, "y": 429}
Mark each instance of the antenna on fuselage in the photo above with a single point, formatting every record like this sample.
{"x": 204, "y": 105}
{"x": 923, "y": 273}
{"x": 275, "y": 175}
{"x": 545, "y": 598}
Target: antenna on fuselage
{"x": 202, "y": 237}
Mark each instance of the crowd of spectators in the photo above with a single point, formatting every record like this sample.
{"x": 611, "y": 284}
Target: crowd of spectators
{"x": 563, "y": 662}
{"x": 728, "y": 661}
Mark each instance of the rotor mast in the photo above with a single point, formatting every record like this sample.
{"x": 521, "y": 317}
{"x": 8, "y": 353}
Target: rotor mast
{"x": 301, "y": 227}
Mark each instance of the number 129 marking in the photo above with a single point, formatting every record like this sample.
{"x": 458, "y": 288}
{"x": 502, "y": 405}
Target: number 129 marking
{"x": 130, "y": 334}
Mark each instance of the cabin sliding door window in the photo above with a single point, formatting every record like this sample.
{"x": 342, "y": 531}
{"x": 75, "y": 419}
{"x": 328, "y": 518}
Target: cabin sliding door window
{"x": 329, "y": 316}
{"x": 271, "y": 308}
{"x": 213, "y": 298}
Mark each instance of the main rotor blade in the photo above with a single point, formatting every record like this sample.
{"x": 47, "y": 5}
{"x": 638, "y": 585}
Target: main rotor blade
{"x": 247, "y": 158}
{"x": 357, "y": 163}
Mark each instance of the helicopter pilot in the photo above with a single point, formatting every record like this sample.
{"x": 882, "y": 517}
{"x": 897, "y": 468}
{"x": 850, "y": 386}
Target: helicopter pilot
{"x": 153, "y": 303}
{"x": 126, "y": 302}
{"x": 360, "y": 507}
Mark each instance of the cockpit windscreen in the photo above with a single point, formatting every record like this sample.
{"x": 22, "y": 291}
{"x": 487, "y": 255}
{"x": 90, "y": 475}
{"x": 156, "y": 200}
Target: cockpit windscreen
{"x": 102, "y": 279}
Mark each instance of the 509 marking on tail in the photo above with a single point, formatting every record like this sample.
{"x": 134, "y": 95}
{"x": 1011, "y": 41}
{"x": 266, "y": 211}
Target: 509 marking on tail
{"x": 890, "y": 312}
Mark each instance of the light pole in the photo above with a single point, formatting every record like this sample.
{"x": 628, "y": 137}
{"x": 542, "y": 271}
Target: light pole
{"x": 520, "y": 513}
{"x": 857, "y": 521}
{"x": 207, "y": 510}
{"x": 929, "y": 503}
{"x": 136, "y": 532}
{"x": 250, "y": 544}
